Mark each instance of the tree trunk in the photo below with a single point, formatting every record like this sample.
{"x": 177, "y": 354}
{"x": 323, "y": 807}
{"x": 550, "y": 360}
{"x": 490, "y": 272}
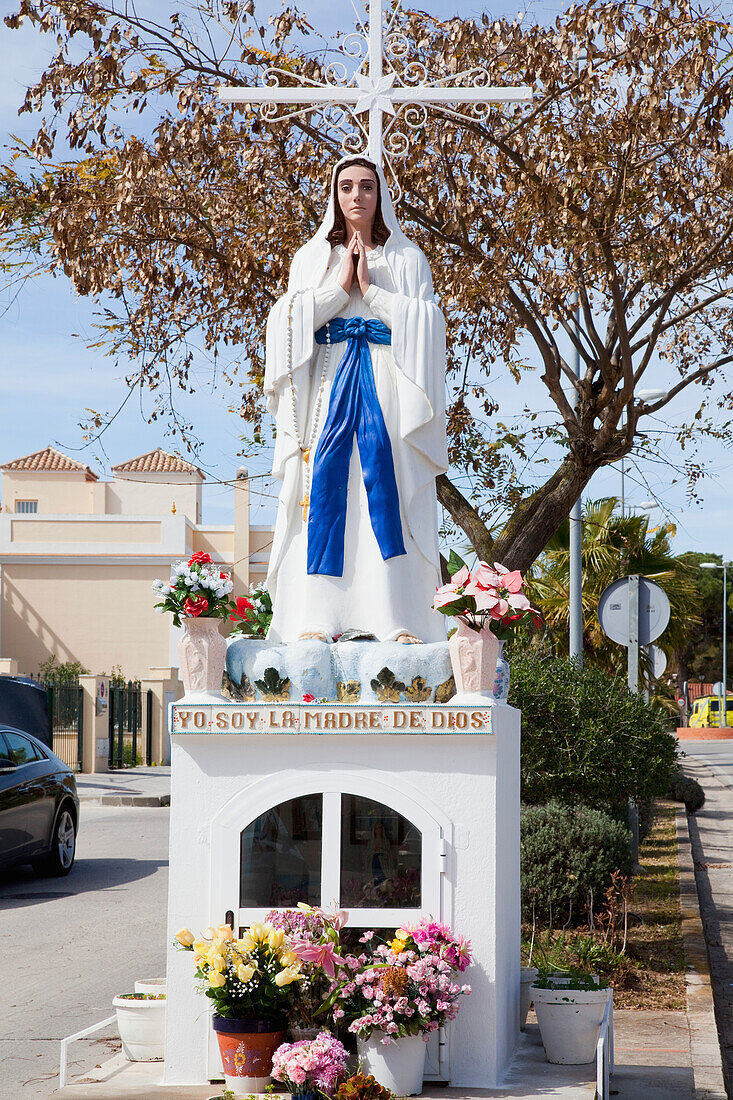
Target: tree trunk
{"x": 530, "y": 526}
{"x": 465, "y": 516}
{"x": 534, "y": 522}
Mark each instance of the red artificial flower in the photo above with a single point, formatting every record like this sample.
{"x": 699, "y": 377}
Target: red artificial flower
{"x": 200, "y": 558}
{"x": 243, "y": 606}
{"x": 195, "y": 606}
{"x": 308, "y": 698}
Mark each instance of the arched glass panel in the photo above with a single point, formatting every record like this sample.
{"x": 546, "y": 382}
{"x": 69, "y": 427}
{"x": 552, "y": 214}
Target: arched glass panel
{"x": 380, "y": 856}
{"x": 280, "y": 855}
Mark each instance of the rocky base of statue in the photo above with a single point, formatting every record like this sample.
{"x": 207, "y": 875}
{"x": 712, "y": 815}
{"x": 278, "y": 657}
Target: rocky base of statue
{"x": 345, "y": 672}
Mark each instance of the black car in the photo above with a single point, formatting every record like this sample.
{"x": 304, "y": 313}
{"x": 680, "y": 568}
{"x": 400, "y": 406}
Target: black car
{"x": 39, "y": 806}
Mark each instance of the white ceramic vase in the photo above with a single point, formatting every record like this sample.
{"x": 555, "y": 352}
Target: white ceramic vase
{"x": 501, "y": 677}
{"x": 202, "y": 651}
{"x": 528, "y": 976}
{"x": 141, "y": 1025}
{"x": 398, "y": 1066}
{"x": 570, "y": 1022}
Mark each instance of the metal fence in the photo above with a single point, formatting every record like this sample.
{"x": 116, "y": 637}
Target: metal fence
{"x": 129, "y": 742}
{"x": 66, "y": 718}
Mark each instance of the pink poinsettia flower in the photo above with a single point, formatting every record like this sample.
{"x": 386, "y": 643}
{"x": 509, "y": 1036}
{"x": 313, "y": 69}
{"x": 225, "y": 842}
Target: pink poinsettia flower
{"x": 445, "y": 595}
{"x": 512, "y": 581}
{"x": 462, "y": 577}
{"x": 500, "y": 609}
{"x": 485, "y": 577}
{"x": 322, "y": 954}
{"x": 519, "y": 602}
{"x": 485, "y": 598}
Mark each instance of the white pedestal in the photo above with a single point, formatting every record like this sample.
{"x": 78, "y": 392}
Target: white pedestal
{"x": 453, "y": 771}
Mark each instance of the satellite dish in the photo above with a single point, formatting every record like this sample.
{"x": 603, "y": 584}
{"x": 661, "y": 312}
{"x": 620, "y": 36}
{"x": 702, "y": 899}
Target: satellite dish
{"x": 613, "y": 611}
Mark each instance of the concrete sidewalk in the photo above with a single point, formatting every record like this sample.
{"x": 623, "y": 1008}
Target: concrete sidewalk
{"x": 712, "y": 851}
{"x": 652, "y": 1062}
{"x": 126, "y": 787}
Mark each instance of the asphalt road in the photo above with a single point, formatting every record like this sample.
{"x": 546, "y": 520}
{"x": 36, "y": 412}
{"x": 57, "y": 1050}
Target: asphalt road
{"x": 69, "y": 945}
{"x": 716, "y": 754}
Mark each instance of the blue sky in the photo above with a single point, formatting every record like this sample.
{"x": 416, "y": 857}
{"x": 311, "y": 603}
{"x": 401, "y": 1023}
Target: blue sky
{"x": 49, "y": 376}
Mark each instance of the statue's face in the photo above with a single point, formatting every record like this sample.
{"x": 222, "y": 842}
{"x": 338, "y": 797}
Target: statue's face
{"x": 357, "y": 195}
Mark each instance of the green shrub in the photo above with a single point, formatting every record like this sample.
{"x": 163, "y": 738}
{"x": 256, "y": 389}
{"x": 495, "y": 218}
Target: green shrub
{"x": 689, "y": 791}
{"x": 567, "y": 852}
{"x": 585, "y": 737}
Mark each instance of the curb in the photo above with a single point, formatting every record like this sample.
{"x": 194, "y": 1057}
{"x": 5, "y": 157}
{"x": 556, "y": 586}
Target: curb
{"x": 704, "y": 1046}
{"x": 126, "y": 800}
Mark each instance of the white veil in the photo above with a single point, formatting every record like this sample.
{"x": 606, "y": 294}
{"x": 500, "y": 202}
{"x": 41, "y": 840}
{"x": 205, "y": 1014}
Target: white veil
{"x": 418, "y": 347}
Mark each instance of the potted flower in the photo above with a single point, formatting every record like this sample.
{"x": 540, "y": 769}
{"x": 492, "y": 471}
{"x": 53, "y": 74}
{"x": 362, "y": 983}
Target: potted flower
{"x": 253, "y": 614}
{"x": 307, "y": 927}
{"x": 311, "y": 1068}
{"x": 362, "y": 1087}
{"x": 197, "y": 594}
{"x": 570, "y": 1012}
{"x": 141, "y": 1024}
{"x": 489, "y": 605}
{"x": 249, "y": 981}
{"x": 403, "y": 991}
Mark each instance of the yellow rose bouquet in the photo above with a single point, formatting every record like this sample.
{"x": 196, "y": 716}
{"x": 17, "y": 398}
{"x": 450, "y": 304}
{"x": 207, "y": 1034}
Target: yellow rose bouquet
{"x": 247, "y": 978}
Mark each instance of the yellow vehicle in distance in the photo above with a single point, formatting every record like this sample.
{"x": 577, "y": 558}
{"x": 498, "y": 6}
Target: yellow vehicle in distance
{"x": 705, "y": 713}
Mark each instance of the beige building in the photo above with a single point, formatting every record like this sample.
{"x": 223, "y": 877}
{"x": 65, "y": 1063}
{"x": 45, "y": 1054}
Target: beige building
{"x": 78, "y": 556}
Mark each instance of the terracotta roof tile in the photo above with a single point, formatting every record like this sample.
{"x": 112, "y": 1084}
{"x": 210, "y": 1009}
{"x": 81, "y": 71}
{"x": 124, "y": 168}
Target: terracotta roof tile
{"x": 49, "y": 459}
{"x": 156, "y": 462}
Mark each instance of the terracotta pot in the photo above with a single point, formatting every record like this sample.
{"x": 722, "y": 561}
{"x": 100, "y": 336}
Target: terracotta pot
{"x": 473, "y": 655}
{"x": 246, "y": 1048}
{"x": 202, "y": 651}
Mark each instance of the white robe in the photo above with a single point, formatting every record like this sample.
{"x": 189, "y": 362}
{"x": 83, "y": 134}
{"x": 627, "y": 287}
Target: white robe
{"x": 390, "y": 597}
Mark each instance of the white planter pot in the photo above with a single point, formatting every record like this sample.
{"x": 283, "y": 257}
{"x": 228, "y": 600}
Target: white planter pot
{"x": 528, "y": 976}
{"x": 570, "y": 1023}
{"x": 150, "y": 985}
{"x": 398, "y": 1066}
{"x": 142, "y": 1028}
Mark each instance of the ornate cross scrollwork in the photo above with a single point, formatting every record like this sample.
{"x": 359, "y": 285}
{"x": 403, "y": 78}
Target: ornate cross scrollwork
{"x": 375, "y": 79}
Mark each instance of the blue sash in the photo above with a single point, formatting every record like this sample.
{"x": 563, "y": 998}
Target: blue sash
{"x": 353, "y": 409}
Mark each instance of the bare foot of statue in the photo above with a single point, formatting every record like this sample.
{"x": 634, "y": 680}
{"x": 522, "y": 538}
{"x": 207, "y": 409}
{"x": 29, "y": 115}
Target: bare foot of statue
{"x": 318, "y": 635}
{"x": 409, "y": 639}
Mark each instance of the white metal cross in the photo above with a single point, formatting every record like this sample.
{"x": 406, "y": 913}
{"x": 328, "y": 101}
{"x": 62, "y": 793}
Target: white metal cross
{"x": 372, "y": 91}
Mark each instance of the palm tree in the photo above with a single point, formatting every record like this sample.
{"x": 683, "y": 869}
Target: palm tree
{"x": 614, "y": 546}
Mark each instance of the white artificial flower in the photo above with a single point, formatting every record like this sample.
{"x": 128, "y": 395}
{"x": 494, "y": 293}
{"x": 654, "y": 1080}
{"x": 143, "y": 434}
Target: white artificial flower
{"x": 160, "y": 610}
{"x": 157, "y": 586}
{"x": 165, "y": 590}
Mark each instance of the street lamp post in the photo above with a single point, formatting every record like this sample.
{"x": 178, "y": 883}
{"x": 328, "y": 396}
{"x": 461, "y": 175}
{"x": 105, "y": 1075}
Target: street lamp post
{"x": 723, "y": 711}
{"x": 575, "y": 547}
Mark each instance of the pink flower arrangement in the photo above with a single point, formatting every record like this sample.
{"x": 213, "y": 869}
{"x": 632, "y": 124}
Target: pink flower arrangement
{"x": 311, "y": 1064}
{"x": 431, "y": 936}
{"x": 492, "y": 597}
{"x": 312, "y": 939}
{"x": 405, "y": 987}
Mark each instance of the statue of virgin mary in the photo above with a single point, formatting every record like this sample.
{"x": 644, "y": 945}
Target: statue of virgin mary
{"x": 355, "y": 378}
